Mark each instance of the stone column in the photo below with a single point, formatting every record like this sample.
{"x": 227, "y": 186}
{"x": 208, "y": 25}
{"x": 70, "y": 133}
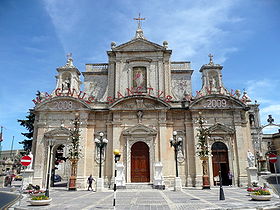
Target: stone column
{"x": 190, "y": 153}
{"x": 40, "y": 159}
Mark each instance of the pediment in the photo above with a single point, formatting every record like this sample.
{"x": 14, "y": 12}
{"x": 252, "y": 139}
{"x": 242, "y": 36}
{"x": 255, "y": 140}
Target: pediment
{"x": 62, "y": 103}
{"x": 139, "y": 103}
{"x": 139, "y": 130}
{"x": 220, "y": 128}
{"x": 58, "y": 132}
{"x": 139, "y": 45}
{"x": 216, "y": 101}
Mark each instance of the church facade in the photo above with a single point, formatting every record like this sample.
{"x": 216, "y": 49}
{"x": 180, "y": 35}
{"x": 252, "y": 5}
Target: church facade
{"x": 138, "y": 99}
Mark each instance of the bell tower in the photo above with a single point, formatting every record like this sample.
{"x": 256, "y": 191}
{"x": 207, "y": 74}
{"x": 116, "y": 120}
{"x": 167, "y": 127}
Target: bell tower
{"x": 212, "y": 78}
{"x": 68, "y": 76}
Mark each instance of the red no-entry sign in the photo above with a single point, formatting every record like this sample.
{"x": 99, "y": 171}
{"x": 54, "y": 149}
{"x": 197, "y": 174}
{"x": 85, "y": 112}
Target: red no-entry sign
{"x": 272, "y": 158}
{"x": 25, "y": 160}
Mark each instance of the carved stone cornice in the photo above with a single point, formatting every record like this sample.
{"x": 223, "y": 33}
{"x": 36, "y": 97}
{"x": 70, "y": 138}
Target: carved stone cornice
{"x": 140, "y": 130}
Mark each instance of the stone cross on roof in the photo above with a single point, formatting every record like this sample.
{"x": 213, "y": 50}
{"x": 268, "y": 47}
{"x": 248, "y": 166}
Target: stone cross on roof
{"x": 69, "y": 55}
{"x": 211, "y": 59}
{"x": 139, "y": 20}
{"x": 69, "y": 63}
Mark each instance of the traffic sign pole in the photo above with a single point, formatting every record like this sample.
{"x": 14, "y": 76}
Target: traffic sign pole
{"x": 21, "y": 188}
{"x": 25, "y": 161}
{"x": 273, "y": 159}
{"x": 275, "y": 173}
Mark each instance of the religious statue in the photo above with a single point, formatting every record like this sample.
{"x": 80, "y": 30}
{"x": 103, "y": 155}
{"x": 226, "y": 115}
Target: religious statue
{"x": 66, "y": 84}
{"x": 139, "y": 79}
{"x": 140, "y": 116}
{"x": 250, "y": 159}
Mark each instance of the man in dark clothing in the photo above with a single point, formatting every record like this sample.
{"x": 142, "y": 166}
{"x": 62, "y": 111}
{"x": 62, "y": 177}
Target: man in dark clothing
{"x": 90, "y": 179}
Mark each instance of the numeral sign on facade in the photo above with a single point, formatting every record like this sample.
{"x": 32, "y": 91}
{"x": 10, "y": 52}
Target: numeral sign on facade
{"x": 63, "y": 105}
{"x": 216, "y": 103}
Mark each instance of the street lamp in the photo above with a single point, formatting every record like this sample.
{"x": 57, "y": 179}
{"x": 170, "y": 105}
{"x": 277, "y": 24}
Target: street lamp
{"x": 176, "y": 142}
{"x": 51, "y": 144}
{"x": 101, "y": 144}
{"x": 117, "y": 158}
{"x": 261, "y": 159}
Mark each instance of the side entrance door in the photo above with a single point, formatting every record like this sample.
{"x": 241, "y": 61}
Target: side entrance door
{"x": 140, "y": 164}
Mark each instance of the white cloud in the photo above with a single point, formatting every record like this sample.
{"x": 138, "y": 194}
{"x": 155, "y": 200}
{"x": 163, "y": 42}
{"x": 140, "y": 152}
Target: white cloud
{"x": 193, "y": 28}
{"x": 266, "y": 93}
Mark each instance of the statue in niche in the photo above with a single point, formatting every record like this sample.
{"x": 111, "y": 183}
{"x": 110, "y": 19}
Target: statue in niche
{"x": 66, "y": 84}
{"x": 213, "y": 84}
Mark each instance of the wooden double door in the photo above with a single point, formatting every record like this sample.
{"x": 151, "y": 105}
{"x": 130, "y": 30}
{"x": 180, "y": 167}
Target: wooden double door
{"x": 220, "y": 162}
{"x": 140, "y": 162}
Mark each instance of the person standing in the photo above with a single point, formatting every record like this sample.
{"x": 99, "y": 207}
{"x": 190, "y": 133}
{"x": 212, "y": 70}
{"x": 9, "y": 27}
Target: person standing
{"x": 230, "y": 176}
{"x": 90, "y": 180}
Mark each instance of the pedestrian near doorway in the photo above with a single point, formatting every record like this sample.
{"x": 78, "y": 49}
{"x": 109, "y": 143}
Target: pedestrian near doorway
{"x": 90, "y": 180}
{"x": 230, "y": 176}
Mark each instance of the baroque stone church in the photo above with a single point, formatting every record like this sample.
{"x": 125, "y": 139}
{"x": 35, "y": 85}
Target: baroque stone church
{"x": 138, "y": 98}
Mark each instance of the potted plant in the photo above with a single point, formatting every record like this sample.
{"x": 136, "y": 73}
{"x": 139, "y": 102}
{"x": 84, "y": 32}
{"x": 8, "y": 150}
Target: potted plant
{"x": 261, "y": 195}
{"x": 40, "y": 200}
{"x": 252, "y": 190}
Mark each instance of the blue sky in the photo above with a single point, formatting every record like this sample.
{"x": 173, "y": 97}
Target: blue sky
{"x": 36, "y": 35}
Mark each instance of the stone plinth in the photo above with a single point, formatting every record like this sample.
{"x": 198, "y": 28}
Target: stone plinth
{"x": 99, "y": 185}
{"x": 120, "y": 179}
{"x": 177, "y": 184}
{"x": 158, "y": 178}
{"x": 252, "y": 173}
{"x": 27, "y": 176}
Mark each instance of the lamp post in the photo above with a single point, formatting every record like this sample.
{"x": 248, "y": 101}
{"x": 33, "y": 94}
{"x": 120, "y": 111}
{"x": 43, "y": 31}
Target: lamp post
{"x": 100, "y": 144}
{"x": 74, "y": 151}
{"x": 117, "y": 158}
{"x": 203, "y": 151}
{"x": 176, "y": 142}
{"x": 262, "y": 161}
{"x": 51, "y": 144}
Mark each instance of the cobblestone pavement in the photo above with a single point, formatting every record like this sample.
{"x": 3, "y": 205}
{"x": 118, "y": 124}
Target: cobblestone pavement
{"x": 236, "y": 198}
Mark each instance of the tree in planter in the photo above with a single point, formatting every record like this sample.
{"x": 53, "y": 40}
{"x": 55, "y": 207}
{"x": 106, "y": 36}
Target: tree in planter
{"x": 74, "y": 153}
{"x": 29, "y": 125}
{"x": 203, "y": 150}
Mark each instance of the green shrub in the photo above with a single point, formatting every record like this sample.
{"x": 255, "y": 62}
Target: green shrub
{"x": 261, "y": 192}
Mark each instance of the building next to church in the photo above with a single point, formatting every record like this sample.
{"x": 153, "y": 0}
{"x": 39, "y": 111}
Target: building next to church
{"x": 138, "y": 98}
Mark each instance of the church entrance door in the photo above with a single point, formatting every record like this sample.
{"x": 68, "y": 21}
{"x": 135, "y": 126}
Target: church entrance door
{"x": 220, "y": 162}
{"x": 140, "y": 164}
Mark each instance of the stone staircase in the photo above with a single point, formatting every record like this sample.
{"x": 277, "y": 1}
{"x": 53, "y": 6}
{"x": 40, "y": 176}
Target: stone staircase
{"x": 141, "y": 185}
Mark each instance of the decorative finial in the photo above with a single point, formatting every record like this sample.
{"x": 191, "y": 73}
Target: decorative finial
{"x": 113, "y": 45}
{"x": 165, "y": 44}
{"x": 139, "y": 21}
{"x": 270, "y": 120}
{"x": 211, "y": 59}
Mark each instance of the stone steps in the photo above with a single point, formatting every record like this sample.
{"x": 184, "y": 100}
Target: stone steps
{"x": 142, "y": 185}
